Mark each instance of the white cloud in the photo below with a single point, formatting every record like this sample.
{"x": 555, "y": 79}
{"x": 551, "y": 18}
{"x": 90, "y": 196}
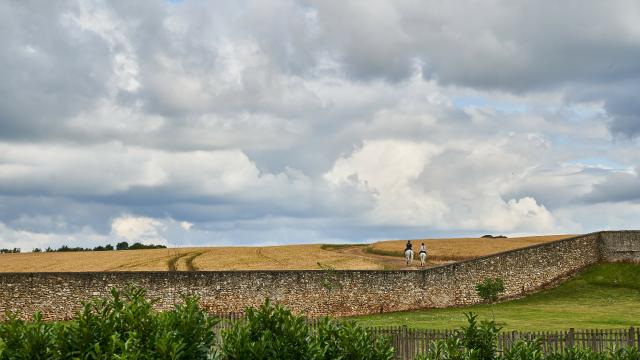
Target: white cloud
{"x": 28, "y": 240}
{"x": 388, "y": 169}
{"x": 138, "y": 229}
{"x": 205, "y": 122}
{"x": 398, "y": 172}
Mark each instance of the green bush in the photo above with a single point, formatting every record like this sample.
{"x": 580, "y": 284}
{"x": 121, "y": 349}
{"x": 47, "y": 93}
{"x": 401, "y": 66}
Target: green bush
{"x": 273, "y": 332}
{"x": 347, "y": 340}
{"x": 489, "y": 289}
{"x": 125, "y": 326}
{"x": 477, "y": 341}
{"x": 121, "y": 327}
{"x": 473, "y": 341}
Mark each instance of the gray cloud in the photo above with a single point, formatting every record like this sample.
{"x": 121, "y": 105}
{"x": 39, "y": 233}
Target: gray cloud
{"x": 618, "y": 187}
{"x": 304, "y": 121}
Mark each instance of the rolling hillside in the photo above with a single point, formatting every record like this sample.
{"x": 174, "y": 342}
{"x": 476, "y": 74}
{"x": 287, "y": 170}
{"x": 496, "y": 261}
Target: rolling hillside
{"x": 602, "y": 296}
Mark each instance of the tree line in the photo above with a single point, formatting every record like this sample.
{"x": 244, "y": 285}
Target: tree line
{"x": 65, "y": 248}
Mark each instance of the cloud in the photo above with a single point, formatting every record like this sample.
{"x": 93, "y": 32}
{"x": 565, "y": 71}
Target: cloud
{"x": 399, "y": 175}
{"x": 620, "y": 186}
{"x": 138, "y": 229}
{"x": 222, "y": 123}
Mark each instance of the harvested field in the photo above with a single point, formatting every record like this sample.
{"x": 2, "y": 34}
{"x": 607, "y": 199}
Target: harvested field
{"x": 299, "y": 257}
{"x": 458, "y": 249}
{"x": 377, "y": 256}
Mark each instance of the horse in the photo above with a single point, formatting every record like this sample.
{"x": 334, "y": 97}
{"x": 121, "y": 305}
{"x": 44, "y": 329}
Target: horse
{"x": 423, "y": 258}
{"x": 408, "y": 254}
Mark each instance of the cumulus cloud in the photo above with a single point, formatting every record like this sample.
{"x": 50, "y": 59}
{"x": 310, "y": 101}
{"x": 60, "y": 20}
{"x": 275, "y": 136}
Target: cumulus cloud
{"x": 216, "y": 123}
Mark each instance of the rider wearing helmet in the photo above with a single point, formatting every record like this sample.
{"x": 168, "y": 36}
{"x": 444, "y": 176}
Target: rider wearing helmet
{"x": 409, "y": 246}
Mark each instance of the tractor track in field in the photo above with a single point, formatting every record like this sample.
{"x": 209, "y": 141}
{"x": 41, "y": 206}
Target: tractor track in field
{"x": 188, "y": 256}
{"x": 189, "y": 260}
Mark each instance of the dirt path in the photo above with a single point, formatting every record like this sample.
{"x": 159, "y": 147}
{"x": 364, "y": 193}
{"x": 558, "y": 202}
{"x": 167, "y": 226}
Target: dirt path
{"x": 387, "y": 262}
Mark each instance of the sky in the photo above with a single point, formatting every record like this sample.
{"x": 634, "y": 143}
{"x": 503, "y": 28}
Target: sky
{"x": 275, "y": 122}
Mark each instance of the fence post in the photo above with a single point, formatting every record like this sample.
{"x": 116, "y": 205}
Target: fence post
{"x": 570, "y": 338}
{"x": 631, "y": 337}
{"x": 405, "y": 339}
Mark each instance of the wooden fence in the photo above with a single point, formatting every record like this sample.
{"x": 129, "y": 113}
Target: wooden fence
{"x": 409, "y": 343}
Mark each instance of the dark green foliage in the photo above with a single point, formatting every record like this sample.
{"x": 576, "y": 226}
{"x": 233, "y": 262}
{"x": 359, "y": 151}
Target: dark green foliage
{"x": 524, "y": 350}
{"x": 480, "y": 337}
{"x": 10, "y": 251}
{"x": 273, "y": 332}
{"x": 65, "y": 248}
{"x": 120, "y": 246}
{"x": 478, "y": 342}
{"x": 473, "y": 341}
{"x": 268, "y": 332}
{"x": 125, "y": 326}
{"x": 489, "y": 289}
{"x": 347, "y": 340}
{"x": 139, "y": 246}
{"x": 588, "y": 354}
{"x": 121, "y": 327}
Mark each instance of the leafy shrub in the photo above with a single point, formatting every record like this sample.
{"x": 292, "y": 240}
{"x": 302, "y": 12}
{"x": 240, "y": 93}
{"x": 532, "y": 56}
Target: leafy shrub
{"x": 473, "y": 341}
{"x": 480, "y": 337}
{"x": 347, "y": 340}
{"x": 489, "y": 289}
{"x": 122, "y": 327}
{"x": 273, "y": 332}
{"x": 477, "y": 342}
{"x": 125, "y": 326}
{"x": 524, "y": 350}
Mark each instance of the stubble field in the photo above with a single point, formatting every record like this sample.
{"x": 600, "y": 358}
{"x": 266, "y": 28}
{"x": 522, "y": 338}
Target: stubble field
{"x": 376, "y": 256}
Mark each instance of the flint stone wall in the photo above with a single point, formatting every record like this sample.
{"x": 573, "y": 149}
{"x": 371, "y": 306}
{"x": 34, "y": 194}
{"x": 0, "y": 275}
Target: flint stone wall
{"x": 332, "y": 293}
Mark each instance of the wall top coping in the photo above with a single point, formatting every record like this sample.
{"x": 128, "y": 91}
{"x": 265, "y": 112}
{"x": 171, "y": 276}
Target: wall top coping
{"x": 272, "y": 272}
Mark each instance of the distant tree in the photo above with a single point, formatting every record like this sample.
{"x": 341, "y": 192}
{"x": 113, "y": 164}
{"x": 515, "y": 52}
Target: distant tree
{"x": 65, "y": 248}
{"x": 10, "y": 251}
{"x": 122, "y": 246}
{"x": 488, "y": 290}
{"x": 140, "y": 246}
{"x": 49, "y": 249}
{"x": 36, "y": 250}
{"x": 108, "y": 247}
{"x": 493, "y": 237}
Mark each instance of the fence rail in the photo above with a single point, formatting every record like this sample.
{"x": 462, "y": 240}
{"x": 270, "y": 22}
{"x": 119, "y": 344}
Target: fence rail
{"x": 409, "y": 343}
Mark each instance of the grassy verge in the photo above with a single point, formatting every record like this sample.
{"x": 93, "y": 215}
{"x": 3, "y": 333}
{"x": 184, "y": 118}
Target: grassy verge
{"x": 339, "y": 246}
{"x": 372, "y": 250}
{"x": 602, "y": 296}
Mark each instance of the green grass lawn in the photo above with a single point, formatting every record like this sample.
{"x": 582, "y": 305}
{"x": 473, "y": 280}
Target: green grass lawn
{"x": 602, "y": 296}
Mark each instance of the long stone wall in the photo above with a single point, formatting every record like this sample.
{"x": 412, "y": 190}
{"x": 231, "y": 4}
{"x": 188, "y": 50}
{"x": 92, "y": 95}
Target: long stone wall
{"x": 333, "y": 293}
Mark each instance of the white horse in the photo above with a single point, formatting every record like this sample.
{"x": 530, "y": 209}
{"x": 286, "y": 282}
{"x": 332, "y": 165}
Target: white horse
{"x": 408, "y": 254}
{"x": 423, "y": 258}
